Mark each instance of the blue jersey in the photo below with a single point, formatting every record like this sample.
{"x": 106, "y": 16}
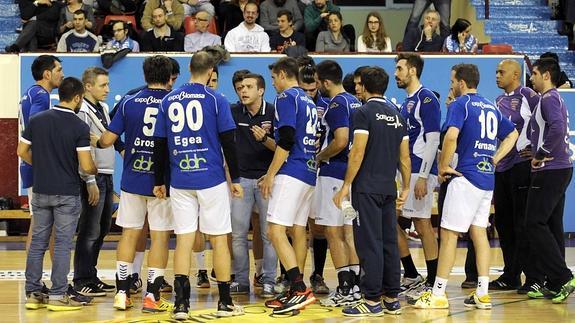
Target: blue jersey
{"x": 192, "y": 117}
{"x": 35, "y": 100}
{"x": 338, "y": 115}
{"x": 136, "y": 117}
{"x": 422, "y": 112}
{"x": 480, "y": 124}
{"x": 296, "y": 110}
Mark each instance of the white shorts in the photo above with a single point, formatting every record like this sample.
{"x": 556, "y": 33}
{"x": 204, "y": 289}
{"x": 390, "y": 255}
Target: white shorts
{"x": 414, "y": 208}
{"x": 134, "y": 207}
{"x": 210, "y": 206}
{"x": 465, "y": 205}
{"x": 326, "y": 212}
{"x": 290, "y": 202}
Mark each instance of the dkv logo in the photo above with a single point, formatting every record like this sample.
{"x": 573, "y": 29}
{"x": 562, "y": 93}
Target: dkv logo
{"x": 188, "y": 163}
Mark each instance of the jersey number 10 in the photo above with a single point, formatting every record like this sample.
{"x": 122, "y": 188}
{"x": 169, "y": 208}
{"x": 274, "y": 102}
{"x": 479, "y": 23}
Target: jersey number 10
{"x": 488, "y": 124}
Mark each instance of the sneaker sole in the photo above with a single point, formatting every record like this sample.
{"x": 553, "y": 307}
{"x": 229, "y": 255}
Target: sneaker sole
{"x": 206, "y": 285}
{"x": 365, "y": 314}
{"x": 102, "y": 294}
{"x": 228, "y": 314}
{"x": 153, "y": 310}
{"x": 296, "y": 306}
{"x": 109, "y": 290}
{"x": 60, "y": 308}
{"x": 34, "y": 306}
{"x": 180, "y": 316}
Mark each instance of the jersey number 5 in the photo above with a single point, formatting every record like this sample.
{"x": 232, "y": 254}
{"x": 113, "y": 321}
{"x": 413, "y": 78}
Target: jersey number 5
{"x": 149, "y": 121}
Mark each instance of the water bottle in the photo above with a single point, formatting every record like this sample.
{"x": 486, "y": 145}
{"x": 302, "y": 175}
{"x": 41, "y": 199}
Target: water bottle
{"x": 349, "y": 213}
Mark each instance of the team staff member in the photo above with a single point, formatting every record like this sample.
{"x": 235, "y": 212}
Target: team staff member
{"x": 254, "y": 120}
{"x": 195, "y": 125}
{"x": 551, "y": 172}
{"x": 55, "y": 143}
{"x": 380, "y": 143}
{"x": 512, "y": 176}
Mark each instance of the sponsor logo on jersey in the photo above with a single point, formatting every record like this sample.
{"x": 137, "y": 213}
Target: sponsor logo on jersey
{"x": 142, "y": 165}
{"x": 485, "y": 166}
{"x": 392, "y": 121}
{"x": 191, "y": 164}
{"x": 410, "y": 105}
{"x": 427, "y": 100}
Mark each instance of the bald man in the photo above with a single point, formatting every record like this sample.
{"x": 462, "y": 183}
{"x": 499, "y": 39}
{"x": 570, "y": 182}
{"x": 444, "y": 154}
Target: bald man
{"x": 512, "y": 178}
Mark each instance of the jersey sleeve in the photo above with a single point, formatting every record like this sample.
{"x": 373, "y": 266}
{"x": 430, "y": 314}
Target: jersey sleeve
{"x": 337, "y": 115}
{"x": 505, "y": 126}
{"x": 160, "y": 130}
{"x": 360, "y": 122}
{"x": 83, "y": 140}
{"x": 27, "y": 134}
{"x": 455, "y": 115}
{"x": 225, "y": 119}
{"x": 286, "y": 110}
{"x": 117, "y": 125}
{"x": 430, "y": 112}
{"x": 40, "y": 102}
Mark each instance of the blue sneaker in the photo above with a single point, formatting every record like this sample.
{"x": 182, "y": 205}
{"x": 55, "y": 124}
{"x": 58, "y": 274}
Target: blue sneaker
{"x": 393, "y": 308}
{"x": 364, "y": 309}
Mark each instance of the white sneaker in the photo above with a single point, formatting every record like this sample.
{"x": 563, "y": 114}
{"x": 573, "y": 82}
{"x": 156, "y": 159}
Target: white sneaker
{"x": 336, "y": 299}
{"x": 415, "y": 293}
{"x": 408, "y": 284}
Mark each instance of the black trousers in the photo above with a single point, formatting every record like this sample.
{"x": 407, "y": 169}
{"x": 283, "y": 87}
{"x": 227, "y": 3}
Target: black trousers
{"x": 510, "y": 194}
{"x": 375, "y": 237}
{"x": 544, "y": 226}
{"x": 93, "y": 226}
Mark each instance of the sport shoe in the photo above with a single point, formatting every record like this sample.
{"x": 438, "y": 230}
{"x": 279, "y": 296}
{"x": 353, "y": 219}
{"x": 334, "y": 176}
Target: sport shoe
{"x": 277, "y": 302}
{"x": 565, "y": 291}
{"x": 282, "y": 285}
{"x": 393, "y": 308}
{"x": 203, "y": 281}
{"x": 469, "y": 284}
{"x": 181, "y": 310}
{"x": 182, "y": 304}
{"x": 90, "y": 289}
{"x": 336, "y": 298}
{"x": 318, "y": 285}
{"x": 428, "y": 300}
{"x": 528, "y": 287}
{"x": 103, "y": 286}
{"x": 267, "y": 291}
{"x": 35, "y": 300}
{"x": 151, "y": 305}
{"x": 237, "y": 289}
{"x": 75, "y": 296}
{"x": 45, "y": 290}
{"x": 136, "y": 285}
{"x": 542, "y": 293}
{"x": 166, "y": 287}
{"x": 483, "y": 302}
{"x": 501, "y": 284}
{"x": 122, "y": 301}
{"x": 408, "y": 284}
{"x": 295, "y": 301}
{"x": 364, "y": 309}
{"x": 414, "y": 294}
{"x": 258, "y": 280}
{"x": 63, "y": 304}
{"x": 227, "y": 310}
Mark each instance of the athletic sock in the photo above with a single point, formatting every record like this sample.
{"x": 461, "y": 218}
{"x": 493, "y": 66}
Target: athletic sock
{"x": 355, "y": 270}
{"x": 319, "y": 255}
{"x": 155, "y": 280}
{"x": 124, "y": 269}
{"x": 296, "y": 280}
{"x": 224, "y": 291}
{"x": 409, "y": 269}
{"x": 200, "y": 260}
{"x": 431, "y": 271}
{"x": 482, "y": 286}
{"x": 439, "y": 286}
{"x": 138, "y": 260}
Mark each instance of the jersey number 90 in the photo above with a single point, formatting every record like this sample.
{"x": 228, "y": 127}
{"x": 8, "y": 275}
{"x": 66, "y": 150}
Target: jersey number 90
{"x": 192, "y": 116}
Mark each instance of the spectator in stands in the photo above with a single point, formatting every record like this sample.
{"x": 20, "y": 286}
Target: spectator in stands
{"x": 316, "y": 20}
{"x": 427, "y": 37}
{"x": 201, "y": 37}
{"x": 461, "y": 40}
{"x": 67, "y": 15}
{"x": 162, "y": 38}
{"x": 40, "y": 18}
{"x": 79, "y": 40}
{"x": 332, "y": 40}
{"x": 419, "y": 7}
{"x": 121, "y": 38}
{"x": 269, "y": 12}
{"x": 117, "y": 7}
{"x": 374, "y": 39}
{"x": 285, "y": 36}
{"x": 191, "y": 7}
{"x": 248, "y": 36}
{"x": 173, "y": 9}
{"x": 230, "y": 15}
{"x": 563, "y": 83}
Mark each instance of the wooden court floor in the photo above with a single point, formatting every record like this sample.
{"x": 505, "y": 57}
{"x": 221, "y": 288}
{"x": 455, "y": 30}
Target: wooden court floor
{"x": 507, "y": 306}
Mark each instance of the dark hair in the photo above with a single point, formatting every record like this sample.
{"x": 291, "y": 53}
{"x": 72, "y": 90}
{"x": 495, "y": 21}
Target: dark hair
{"x": 305, "y": 60}
{"x": 286, "y": 13}
{"x": 549, "y": 65}
{"x": 239, "y": 76}
{"x": 175, "y": 66}
{"x": 357, "y": 72}
{"x": 381, "y": 35}
{"x": 260, "y": 79}
{"x": 123, "y": 22}
{"x": 286, "y": 64}
{"x": 459, "y": 26}
{"x": 69, "y": 88}
{"x": 329, "y": 70}
{"x": 43, "y": 63}
{"x": 348, "y": 83}
{"x": 337, "y": 14}
{"x": 412, "y": 60}
{"x": 307, "y": 74}
{"x": 91, "y": 73}
{"x": 551, "y": 55}
{"x": 469, "y": 73}
{"x": 157, "y": 69}
{"x": 80, "y": 12}
{"x": 215, "y": 69}
{"x": 253, "y": 3}
{"x": 374, "y": 79}
{"x": 201, "y": 62}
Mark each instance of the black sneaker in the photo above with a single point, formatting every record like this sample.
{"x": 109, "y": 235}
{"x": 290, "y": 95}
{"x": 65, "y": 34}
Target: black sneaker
{"x": 136, "y": 284}
{"x": 227, "y": 310}
{"x": 90, "y": 289}
{"x": 295, "y": 301}
{"x": 45, "y": 290}
{"x": 166, "y": 287}
{"x": 181, "y": 310}
{"x": 105, "y": 287}
{"x": 469, "y": 284}
{"x": 501, "y": 284}
{"x": 77, "y": 297}
{"x": 182, "y": 303}
{"x": 203, "y": 280}
{"x": 529, "y": 287}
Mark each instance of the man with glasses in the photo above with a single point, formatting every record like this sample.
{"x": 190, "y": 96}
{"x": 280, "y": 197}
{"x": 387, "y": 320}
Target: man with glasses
{"x": 121, "y": 39}
{"x": 201, "y": 37}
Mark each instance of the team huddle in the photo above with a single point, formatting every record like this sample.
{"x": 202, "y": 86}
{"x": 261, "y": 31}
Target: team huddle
{"x": 194, "y": 165}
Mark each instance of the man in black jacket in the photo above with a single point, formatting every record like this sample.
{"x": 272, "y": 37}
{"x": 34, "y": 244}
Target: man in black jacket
{"x": 427, "y": 37}
{"x": 162, "y": 38}
{"x": 40, "y": 19}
